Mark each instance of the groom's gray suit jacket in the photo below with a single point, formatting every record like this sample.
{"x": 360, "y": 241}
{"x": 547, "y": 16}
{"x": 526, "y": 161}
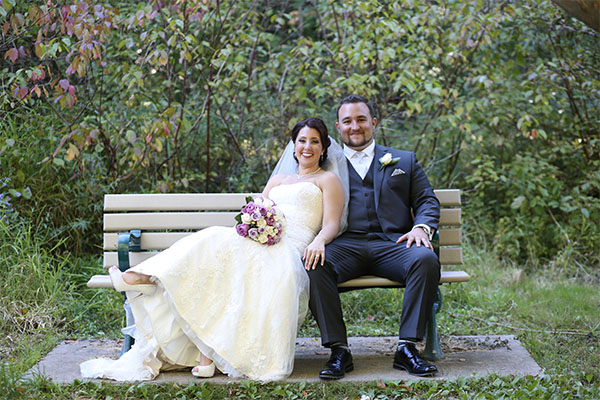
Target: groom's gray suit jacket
{"x": 404, "y": 199}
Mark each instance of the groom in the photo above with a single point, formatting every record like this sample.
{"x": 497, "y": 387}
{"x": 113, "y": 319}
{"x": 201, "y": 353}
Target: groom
{"x": 392, "y": 216}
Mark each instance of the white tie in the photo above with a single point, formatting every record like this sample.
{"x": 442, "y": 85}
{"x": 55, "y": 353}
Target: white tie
{"x": 360, "y": 163}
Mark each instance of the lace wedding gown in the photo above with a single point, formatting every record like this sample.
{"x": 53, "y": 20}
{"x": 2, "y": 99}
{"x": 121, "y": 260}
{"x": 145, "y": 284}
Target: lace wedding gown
{"x": 233, "y": 299}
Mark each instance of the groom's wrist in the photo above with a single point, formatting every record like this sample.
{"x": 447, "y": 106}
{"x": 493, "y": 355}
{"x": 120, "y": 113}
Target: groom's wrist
{"x": 428, "y": 230}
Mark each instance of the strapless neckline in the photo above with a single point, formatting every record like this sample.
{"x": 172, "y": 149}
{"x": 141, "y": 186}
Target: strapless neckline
{"x": 297, "y": 183}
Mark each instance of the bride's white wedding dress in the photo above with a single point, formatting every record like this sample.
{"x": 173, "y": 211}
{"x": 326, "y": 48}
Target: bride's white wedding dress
{"x": 229, "y": 297}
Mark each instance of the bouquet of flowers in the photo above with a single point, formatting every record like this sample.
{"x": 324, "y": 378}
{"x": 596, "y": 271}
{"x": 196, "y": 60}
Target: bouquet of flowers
{"x": 260, "y": 220}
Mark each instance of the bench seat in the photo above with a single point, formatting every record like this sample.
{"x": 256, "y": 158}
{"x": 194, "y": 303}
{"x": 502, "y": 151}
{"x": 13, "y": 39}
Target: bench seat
{"x": 366, "y": 281}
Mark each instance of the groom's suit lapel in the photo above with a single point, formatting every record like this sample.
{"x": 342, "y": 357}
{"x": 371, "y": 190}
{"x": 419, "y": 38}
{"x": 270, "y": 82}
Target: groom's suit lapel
{"x": 378, "y": 174}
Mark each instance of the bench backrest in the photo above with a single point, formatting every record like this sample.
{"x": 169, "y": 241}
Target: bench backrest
{"x": 166, "y": 218}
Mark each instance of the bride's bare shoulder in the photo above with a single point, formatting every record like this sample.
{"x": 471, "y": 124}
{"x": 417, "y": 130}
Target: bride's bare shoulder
{"x": 329, "y": 177}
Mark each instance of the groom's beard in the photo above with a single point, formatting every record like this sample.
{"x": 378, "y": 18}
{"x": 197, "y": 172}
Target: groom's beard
{"x": 358, "y": 141}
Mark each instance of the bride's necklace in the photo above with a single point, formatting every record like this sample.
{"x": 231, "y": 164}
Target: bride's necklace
{"x": 300, "y": 177}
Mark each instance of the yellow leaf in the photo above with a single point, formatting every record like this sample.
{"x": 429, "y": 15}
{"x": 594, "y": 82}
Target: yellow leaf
{"x": 158, "y": 145}
{"x": 39, "y": 50}
{"x": 72, "y": 152}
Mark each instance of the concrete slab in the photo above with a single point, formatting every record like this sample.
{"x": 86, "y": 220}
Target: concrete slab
{"x": 465, "y": 356}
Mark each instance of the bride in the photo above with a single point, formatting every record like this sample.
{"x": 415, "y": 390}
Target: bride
{"x": 217, "y": 299}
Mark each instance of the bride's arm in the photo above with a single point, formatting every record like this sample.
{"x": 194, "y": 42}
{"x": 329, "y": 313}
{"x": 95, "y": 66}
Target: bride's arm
{"x": 333, "y": 203}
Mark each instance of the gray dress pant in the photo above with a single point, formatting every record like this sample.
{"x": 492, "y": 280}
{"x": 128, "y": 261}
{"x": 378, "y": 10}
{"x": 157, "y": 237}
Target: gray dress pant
{"x": 352, "y": 255}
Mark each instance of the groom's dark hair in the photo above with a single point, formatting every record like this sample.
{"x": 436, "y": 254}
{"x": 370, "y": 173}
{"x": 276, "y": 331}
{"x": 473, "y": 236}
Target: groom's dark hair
{"x": 355, "y": 98}
{"x": 319, "y": 125}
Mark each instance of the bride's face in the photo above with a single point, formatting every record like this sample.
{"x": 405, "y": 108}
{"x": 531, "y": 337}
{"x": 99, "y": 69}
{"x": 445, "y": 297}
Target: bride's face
{"x": 308, "y": 147}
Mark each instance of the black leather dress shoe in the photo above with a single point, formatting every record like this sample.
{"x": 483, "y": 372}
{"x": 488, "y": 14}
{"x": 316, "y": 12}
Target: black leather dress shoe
{"x": 338, "y": 364}
{"x": 407, "y": 358}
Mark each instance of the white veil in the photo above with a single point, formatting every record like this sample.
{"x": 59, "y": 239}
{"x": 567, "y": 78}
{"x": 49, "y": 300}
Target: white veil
{"x": 336, "y": 163}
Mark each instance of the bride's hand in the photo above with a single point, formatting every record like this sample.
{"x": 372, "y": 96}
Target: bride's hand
{"x": 314, "y": 254}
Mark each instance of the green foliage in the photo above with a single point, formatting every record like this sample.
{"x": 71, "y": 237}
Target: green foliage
{"x": 498, "y": 99}
{"x": 63, "y": 204}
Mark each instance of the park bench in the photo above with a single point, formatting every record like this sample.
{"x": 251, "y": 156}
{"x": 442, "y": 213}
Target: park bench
{"x": 136, "y": 226}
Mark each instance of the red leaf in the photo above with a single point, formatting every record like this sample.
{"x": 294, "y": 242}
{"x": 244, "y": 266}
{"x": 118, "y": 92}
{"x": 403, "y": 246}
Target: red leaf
{"x": 533, "y": 133}
{"x": 12, "y": 54}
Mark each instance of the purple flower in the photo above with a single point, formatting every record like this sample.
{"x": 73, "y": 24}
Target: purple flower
{"x": 270, "y": 221}
{"x": 253, "y": 233}
{"x": 250, "y": 207}
{"x": 255, "y": 215}
{"x": 242, "y": 229}
{"x": 263, "y": 211}
{"x": 271, "y": 240}
{"x": 261, "y": 229}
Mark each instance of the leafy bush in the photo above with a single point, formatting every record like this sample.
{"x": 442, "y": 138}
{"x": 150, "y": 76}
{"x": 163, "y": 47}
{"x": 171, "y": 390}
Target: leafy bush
{"x": 182, "y": 96}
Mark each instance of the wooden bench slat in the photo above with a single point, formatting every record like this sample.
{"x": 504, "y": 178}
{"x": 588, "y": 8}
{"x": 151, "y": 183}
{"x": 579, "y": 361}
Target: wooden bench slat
{"x": 164, "y": 240}
{"x": 450, "y": 237}
{"x": 448, "y": 256}
{"x": 167, "y": 220}
{"x": 450, "y": 217}
{"x": 103, "y": 281}
{"x": 212, "y": 201}
{"x": 448, "y": 197}
{"x": 451, "y": 256}
{"x": 174, "y": 201}
{"x": 201, "y": 220}
{"x": 370, "y": 280}
{"x": 150, "y": 240}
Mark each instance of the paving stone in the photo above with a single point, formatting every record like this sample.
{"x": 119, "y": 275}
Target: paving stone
{"x": 465, "y": 356}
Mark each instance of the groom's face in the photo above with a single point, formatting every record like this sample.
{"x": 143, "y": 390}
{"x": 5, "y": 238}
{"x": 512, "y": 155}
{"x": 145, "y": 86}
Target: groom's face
{"x": 355, "y": 125}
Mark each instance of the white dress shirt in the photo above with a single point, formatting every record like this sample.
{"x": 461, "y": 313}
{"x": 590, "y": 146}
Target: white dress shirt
{"x": 361, "y": 160}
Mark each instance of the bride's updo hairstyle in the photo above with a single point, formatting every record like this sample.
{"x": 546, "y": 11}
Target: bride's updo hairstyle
{"x": 319, "y": 125}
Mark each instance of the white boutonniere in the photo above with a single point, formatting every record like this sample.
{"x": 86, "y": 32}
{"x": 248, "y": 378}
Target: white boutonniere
{"x": 387, "y": 160}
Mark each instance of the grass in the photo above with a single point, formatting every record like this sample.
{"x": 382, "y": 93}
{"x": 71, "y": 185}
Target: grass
{"x": 492, "y": 387}
{"x": 554, "y": 315}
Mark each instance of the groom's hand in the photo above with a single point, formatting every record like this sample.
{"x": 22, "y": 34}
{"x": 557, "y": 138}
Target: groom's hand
{"x": 418, "y": 236}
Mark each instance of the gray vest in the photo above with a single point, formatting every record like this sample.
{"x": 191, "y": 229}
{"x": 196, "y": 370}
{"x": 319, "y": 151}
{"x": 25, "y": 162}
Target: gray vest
{"x": 362, "y": 216}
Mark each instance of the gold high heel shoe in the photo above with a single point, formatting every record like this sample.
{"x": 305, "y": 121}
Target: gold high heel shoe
{"x": 116, "y": 276}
